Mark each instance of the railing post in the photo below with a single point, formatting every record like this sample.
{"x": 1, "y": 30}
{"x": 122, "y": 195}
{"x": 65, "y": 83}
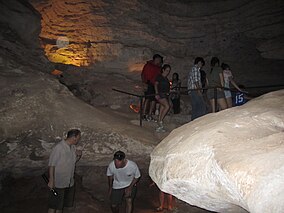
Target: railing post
{"x": 141, "y": 110}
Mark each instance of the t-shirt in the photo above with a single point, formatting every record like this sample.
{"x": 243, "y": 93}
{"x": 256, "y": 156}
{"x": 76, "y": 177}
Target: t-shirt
{"x": 164, "y": 84}
{"x": 203, "y": 78}
{"x": 194, "y": 77}
{"x": 150, "y": 72}
{"x": 122, "y": 177}
{"x": 227, "y": 77}
{"x": 63, "y": 158}
{"x": 214, "y": 78}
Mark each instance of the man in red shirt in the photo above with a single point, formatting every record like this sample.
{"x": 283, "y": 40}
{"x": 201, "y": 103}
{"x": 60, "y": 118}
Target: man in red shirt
{"x": 149, "y": 73}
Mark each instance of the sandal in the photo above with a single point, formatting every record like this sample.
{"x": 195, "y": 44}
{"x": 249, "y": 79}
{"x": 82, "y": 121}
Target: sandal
{"x": 159, "y": 209}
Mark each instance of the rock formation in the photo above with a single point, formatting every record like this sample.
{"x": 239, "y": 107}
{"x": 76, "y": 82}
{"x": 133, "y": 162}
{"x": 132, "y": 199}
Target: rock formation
{"x": 36, "y": 109}
{"x": 228, "y": 161}
{"x": 121, "y": 35}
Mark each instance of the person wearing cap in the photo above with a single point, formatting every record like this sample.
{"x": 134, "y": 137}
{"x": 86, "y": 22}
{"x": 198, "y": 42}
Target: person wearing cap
{"x": 123, "y": 175}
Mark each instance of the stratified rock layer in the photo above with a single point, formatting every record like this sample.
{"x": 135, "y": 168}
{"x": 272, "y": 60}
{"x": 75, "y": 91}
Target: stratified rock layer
{"x": 123, "y": 34}
{"x": 228, "y": 161}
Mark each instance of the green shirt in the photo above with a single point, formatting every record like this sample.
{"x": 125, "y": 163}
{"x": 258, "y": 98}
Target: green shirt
{"x": 214, "y": 78}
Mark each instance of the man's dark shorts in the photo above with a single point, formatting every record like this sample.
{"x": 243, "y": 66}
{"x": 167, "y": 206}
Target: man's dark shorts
{"x": 65, "y": 198}
{"x": 117, "y": 195}
{"x": 150, "y": 91}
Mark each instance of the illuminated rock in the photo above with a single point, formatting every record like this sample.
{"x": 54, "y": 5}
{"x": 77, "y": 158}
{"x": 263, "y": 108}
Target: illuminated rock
{"x": 230, "y": 161}
{"x": 123, "y": 34}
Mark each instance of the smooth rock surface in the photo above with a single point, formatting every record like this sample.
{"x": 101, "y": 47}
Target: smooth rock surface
{"x": 230, "y": 161}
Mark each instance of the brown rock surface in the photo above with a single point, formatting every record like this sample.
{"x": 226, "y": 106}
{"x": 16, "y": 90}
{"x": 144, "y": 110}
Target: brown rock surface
{"x": 115, "y": 38}
{"x": 121, "y": 35}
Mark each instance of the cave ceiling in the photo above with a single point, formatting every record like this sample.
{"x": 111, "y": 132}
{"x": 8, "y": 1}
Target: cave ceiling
{"x": 123, "y": 34}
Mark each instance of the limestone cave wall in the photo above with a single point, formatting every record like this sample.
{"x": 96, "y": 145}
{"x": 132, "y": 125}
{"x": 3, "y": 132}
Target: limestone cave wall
{"x": 121, "y": 35}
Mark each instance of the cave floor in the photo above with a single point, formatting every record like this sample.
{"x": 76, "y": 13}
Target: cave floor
{"x": 30, "y": 195}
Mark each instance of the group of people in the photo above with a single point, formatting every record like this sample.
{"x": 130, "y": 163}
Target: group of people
{"x": 123, "y": 175}
{"x": 217, "y": 82}
{"x": 158, "y": 89}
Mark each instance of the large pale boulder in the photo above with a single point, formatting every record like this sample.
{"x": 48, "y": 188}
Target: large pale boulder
{"x": 231, "y": 161}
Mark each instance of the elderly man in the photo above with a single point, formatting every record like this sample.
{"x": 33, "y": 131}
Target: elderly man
{"x": 123, "y": 176}
{"x": 61, "y": 169}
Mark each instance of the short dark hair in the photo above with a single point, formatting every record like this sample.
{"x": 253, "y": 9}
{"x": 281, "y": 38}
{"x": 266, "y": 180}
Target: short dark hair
{"x": 166, "y": 66}
{"x": 157, "y": 56}
{"x": 225, "y": 66}
{"x": 215, "y": 61}
{"x": 119, "y": 155}
{"x": 197, "y": 59}
{"x": 73, "y": 133}
{"x": 176, "y": 74}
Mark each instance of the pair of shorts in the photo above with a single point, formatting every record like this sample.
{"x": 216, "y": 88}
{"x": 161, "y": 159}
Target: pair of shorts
{"x": 227, "y": 93}
{"x": 220, "y": 94}
{"x": 150, "y": 93}
{"x": 117, "y": 195}
{"x": 163, "y": 95}
{"x": 65, "y": 198}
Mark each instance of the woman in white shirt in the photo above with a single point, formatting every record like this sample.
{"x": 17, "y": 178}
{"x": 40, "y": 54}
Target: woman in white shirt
{"x": 228, "y": 78}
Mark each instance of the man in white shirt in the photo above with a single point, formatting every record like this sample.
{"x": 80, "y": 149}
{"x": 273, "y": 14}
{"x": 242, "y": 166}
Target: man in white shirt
{"x": 123, "y": 175}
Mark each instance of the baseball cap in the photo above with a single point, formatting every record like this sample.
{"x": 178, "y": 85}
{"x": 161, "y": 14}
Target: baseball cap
{"x": 119, "y": 155}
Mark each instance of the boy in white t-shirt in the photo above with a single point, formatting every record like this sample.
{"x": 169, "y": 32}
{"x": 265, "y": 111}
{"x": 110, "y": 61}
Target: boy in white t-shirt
{"x": 123, "y": 175}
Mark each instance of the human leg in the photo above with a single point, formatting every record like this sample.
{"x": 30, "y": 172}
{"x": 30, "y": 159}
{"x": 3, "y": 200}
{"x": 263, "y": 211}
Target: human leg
{"x": 165, "y": 104}
{"x": 170, "y": 201}
{"x": 198, "y": 105}
{"x": 212, "y": 103}
{"x": 129, "y": 200}
{"x": 176, "y": 105}
{"x": 164, "y": 108}
{"x": 116, "y": 199}
{"x": 152, "y": 107}
{"x": 56, "y": 203}
{"x": 161, "y": 200}
{"x": 222, "y": 103}
{"x": 145, "y": 106}
{"x": 229, "y": 102}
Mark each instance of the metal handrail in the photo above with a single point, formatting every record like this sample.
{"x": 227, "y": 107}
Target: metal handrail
{"x": 187, "y": 90}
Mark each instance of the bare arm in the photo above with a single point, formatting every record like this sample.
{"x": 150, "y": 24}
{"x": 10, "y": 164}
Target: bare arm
{"x": 134, "y": 181}
{"x": 235, "y": 85}
{"x": 51, "y": 172}
{"x": 156, "y": 90}
{"x": 199, "y": 88}
{"x": 110, "y": 183}
{"x": 78, "y": 155}
{"x": 128, "y": 189}
{"x": 221, "y": 79}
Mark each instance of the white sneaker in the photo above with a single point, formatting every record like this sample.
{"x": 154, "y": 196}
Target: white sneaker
{"x": 160, "y": 129}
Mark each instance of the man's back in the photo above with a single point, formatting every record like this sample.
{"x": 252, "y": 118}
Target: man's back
{"x": 150, "y": 72}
